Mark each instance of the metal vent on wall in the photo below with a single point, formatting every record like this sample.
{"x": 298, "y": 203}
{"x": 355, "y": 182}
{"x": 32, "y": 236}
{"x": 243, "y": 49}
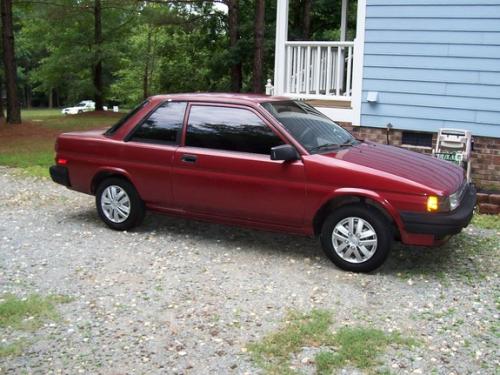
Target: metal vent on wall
{"x": 417, "y": 139}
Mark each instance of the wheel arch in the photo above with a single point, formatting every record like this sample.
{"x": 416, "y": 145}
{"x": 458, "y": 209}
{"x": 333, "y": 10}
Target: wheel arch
{"x": 105, "y": 173}
{"x": 343, "y": 197}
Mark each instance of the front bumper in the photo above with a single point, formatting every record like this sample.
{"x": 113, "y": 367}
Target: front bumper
{"x": 60, "y": 175}
{"x": 442, "y": 224}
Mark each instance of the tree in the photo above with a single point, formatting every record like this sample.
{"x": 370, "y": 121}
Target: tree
{"x": 258, "y": 83}
{"x": 234, "y": 36}
{"x": 9, "y": 60}
{"x": 97, "y": 67}
{"x": 307, "y": 19}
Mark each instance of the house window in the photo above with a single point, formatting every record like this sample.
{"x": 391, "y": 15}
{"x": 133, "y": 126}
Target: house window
{"x": 417, "y": 139}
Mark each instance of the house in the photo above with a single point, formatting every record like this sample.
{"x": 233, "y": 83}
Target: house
{"x": 418, "y": 65}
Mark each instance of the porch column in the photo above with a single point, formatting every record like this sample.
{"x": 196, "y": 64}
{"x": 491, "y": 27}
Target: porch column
{"x": 343, "y": 36}
{"x": 343, "y": 21}
{"x": 280, "y": 48}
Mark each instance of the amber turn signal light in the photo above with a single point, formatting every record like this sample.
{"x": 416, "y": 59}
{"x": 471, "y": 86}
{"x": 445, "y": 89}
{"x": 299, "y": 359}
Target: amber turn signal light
{"x": 432, "y": 203}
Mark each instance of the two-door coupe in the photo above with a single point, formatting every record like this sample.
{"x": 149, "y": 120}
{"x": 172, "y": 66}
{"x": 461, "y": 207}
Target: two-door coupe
{"x": 270, "y": 163}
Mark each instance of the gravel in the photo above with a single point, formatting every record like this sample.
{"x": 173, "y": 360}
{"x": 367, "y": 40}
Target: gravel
{"x": 186, "y": 297}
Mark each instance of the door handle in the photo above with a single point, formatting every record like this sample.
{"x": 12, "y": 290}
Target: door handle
{"x": 189, "y": 158}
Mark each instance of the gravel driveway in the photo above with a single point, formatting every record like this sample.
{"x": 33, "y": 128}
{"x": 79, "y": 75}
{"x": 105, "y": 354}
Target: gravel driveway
{"x": 186, "y": 297}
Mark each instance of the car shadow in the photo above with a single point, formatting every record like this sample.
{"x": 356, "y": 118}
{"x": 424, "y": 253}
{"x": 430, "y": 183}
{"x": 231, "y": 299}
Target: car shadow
{"x": 263, "y": 242}
{"x": 461, "y": 257}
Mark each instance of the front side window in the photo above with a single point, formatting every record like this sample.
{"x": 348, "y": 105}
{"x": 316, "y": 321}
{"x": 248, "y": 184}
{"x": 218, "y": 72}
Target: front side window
{"x": 232, "y": 129}
{"x": 164, "y": 125}
{"x": 313, "y": 130}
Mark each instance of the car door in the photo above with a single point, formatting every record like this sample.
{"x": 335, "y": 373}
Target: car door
{"x": 224, "y": 168}
{"x": 148, "y": 152}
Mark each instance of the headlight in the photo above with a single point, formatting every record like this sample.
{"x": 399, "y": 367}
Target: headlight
{"x": 456, "y": 197}
{"x": 454, "y": 201}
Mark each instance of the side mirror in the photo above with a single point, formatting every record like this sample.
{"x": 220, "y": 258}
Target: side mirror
{"x": 284, "y": 152}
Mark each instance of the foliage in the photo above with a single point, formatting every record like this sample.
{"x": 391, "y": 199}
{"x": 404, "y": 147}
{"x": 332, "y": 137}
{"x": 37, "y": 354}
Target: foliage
{"x": 148, "y": 47}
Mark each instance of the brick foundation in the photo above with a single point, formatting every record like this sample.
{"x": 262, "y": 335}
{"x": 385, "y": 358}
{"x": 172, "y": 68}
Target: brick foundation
{"x": 485, "y": 156}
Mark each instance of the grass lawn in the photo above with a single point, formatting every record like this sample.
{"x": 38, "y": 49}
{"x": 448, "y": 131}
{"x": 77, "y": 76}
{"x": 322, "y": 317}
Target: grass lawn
{"x": 30, "y": 146}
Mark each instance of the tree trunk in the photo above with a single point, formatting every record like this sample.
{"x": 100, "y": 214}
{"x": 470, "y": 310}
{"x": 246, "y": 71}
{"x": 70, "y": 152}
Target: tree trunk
{"x": 307, "y": 19}
{"x": 29, "y": 96}
{"x": 145, "y": 78}
{"x": 13, "y": 105}
{"x": 258, "y": 83}
{"x": 51, "y": 98}
{"x": 2, "y": 115}
{"x": 234, "y": 36}
{"x": 97, "y": 68}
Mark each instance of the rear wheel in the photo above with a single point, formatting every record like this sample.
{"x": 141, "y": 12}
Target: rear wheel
{"x": 356, "y": 238}
{"x": 119, "y": 204}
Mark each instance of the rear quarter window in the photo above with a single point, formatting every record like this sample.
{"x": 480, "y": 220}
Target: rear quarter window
{"x": 164, "y": 125}
{"x": 125, "y": 118}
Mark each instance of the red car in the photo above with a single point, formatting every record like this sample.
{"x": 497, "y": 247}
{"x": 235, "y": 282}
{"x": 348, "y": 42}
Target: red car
{"x": 270, "y": 163}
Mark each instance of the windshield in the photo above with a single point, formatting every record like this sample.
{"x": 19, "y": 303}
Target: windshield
{"x": 313, "y": 130}
{"x": 81, "y": 104}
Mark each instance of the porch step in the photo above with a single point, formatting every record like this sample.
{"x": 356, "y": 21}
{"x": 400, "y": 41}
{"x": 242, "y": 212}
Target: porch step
{"x": 329, "y": 103}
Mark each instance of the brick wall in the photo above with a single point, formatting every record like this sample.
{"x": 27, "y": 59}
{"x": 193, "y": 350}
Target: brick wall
{"x": 485, "y": 156}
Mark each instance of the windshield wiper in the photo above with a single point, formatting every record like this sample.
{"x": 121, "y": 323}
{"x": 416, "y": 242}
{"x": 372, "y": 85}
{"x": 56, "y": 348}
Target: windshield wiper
{"x": 324, "y": 147}
{"x": 327, "y": 146}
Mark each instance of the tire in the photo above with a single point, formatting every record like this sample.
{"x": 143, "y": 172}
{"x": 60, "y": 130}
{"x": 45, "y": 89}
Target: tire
{"x": 80, "y": 111}
{"x": 119, "y": 204}
{"x": 347, "y": 239}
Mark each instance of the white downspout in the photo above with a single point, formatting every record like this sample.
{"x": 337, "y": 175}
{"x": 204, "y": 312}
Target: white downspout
{"x": 357, "y": 70}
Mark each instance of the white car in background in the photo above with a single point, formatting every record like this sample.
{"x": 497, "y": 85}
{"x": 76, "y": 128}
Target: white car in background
{"x": 83, "y": 106}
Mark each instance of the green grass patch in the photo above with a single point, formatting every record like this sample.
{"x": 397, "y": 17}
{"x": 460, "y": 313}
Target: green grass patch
{"x": 486, "y": 221}
{"x": 358, "y": 347}
{"x": 30, "y": 146}
{"x": 29, "y": 313}
{"x": 465, "y": 257}
{"x": 351, "y": 346}
{"x": 13, "y": 350}
{"x": 33, "y": 163}
{"x": 40, "y": 114}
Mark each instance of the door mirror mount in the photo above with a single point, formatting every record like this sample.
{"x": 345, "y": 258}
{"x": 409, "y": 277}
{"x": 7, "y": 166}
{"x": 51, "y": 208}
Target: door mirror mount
{"x": 284, "y": 152}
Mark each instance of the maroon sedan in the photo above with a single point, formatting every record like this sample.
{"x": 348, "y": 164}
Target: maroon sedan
{"x": 270, "y": 163}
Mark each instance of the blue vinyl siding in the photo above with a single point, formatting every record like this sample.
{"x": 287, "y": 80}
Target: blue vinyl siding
{"x": 434, "y": 64}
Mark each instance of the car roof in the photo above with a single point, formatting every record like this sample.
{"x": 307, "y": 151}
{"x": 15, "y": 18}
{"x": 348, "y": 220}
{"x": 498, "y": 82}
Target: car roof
{"x": 234, "y": 98}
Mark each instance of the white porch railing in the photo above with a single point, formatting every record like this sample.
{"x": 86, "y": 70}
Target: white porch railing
{"x": 319, "y": 70}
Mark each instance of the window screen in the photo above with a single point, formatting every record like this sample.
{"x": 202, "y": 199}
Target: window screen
{"x": 232, "y": 129}
{"x": 164, "y": 125}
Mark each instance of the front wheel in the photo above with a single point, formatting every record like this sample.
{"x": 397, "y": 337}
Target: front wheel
{"x": 119, "y": 204}
{"x": 356, "y": 238}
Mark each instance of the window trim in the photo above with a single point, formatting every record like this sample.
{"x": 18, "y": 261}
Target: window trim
{"x": 129, "y": 137}
{"x": 229, "y": 105}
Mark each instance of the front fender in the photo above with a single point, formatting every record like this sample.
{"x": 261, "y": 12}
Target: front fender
{"x": 379, "y": 199}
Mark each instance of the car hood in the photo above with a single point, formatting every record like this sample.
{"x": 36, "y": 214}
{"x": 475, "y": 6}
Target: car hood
{"x": 423, "y": 169}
